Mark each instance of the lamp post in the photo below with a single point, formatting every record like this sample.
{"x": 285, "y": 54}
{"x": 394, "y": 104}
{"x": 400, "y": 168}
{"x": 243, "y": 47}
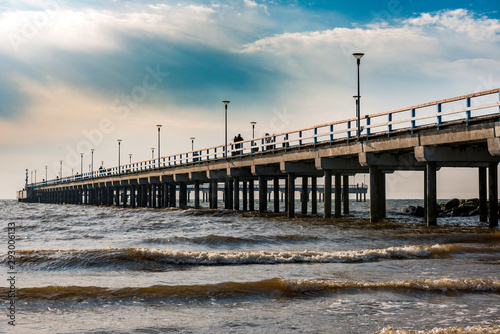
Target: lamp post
{"x": 46, "y": 174}
{"x": 192, "y": 143}
{"x": 358, "y": 56}
{"x": 35, "y": 175}
{"x": 130, "y": 158}
{"x": 60, "y": 172}
{"x": 225, "y": 125}
{"x": 92, "y": 163}
{"x": 81, "y": 163}
{"x": 253, "y": 129}
{"x": 159, "y": 127}
{"x": 152, "y": 153}
{"x": 119, "y": 144}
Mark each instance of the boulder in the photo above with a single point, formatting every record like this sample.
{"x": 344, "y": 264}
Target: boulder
{"x": 464, "y": 209}
{"x": 450, "y": 205}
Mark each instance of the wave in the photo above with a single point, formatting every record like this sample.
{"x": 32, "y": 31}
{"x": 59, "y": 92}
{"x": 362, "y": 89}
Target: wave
{"x": 216, "y": 240}
{"x": 143, "y": 258}
{"x": 271, "y": 288}
{"x": 480, "y": 329}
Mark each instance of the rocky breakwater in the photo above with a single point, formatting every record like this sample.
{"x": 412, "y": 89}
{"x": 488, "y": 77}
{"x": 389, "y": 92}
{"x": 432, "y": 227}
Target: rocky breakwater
{"x": 454, "y": 207}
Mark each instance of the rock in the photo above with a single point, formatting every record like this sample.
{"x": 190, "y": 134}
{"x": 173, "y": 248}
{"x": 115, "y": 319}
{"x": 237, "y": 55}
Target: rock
{"x": 419, "y": 211}
{"x": 472, "y": 201}
{"x": 474, "y": 212}
{"x": 464, "y": 209}
{"x": 410, "y": 210}
{"x": 451, "y": 204}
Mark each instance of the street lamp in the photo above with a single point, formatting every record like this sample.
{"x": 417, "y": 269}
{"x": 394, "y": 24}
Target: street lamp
{"x": 119, "y": 144}
{"x": 130, "y": 158}
{"x": 152, "y": 153}
{"x": 159, "y": 127}
{"x": 192, "y": 143}
{"x": 253, "y": 129}
{"x": 35, "y": 175}
{"x": 60, "y": 173}
{"x": 225, "y": 125}
{"x": 81, "y": 163}
{"x": 92, "y": 163}
{"x": 46, "y": 174}
{"x": 358, "y": 56}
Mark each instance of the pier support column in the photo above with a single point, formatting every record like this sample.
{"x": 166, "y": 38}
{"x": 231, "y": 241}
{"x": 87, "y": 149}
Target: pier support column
{"x": 226, "y": 195}
{"x": 345, "y": 189}
{"x": 327, "y": 197}
{"x": 230, "y": 194}
{"x": 262, "y": 194}
{"x": 431, "y": 193}
{"x": 153, "y": 195}
{"x": 213, "y": 191}
{"x": 483, "y": 193}
{"x": 196, "y": 194}
{"x": 133, "y": 196}
{"x": 236, "y": 204}
{"x": 376, "y": 194}
{"x": 173, "y": 195}
{"x": 291, "y": 195}
{"x": 493, "y": 193}
{"x": 124, "y": 197}
{"x": 338, "y": 195}
{"x": 304, "y": 195}
{"x": 117, "y": 196}
{"x": 251, "y": 195}
{"x": 314, "y": 195}
{"x": 276, "y": 194}
{"x": 182, "y": 195}
{"x": 244, "y": 193}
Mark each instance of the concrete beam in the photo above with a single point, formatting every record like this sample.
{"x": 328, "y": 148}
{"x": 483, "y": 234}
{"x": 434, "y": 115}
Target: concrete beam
{"x": 240, "y": 172}
{"x": 494, "y": 144}
{"x": 220, "y": 174}
{"x": 167, "y": 179}
{"x": 300, "y": 168}
{"x": 181, "y": 178}
{"x": 198, "y": 176}
{"x": 267, "y": 170}
{"x": 340, "y": 165}
{"x": 391, "y": 161}
{"x": 154, "y": 180}
{"x": 454, "y": 154}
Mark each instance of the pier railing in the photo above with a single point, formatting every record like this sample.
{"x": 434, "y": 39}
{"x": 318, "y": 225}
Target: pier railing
{"x": 463, "y": 108}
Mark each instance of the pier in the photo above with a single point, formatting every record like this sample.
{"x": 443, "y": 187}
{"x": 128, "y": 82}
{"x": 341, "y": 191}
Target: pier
{"x": 462, "y": 131}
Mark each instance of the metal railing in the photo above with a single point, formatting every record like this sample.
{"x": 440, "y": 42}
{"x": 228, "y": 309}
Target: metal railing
{"x": 463, "y": 108}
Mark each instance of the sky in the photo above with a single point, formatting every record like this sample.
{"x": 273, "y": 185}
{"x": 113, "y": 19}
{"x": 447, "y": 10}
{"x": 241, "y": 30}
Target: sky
{"x": 78, "y": 75}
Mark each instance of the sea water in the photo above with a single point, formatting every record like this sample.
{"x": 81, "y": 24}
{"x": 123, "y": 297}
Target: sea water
{"x": 86, "y": 269}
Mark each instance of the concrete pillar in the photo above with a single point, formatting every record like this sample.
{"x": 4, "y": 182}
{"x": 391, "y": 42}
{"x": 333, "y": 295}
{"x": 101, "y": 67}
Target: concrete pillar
{"x": 483, "y": 193}
{"x": 314, "y": 195}
{"x": 338, "y": 195}
{"x": 173, "y": 195}
{"x": 286, "y": 194}
{"x": 251, "y": 195}
{"x": 345, "y": 189}
{"x": 214, "y": 194}
{"x": 230, "y": 193}
{"x": 154, "y": 187}
{"x": 245, "y": 196}
{"x": 328, "y": 194}
{"x": 133, "y": 197}
{"x": 211, "y": 194}
{"x": 236, "y": 204}
{"x": 196, "y": 194}
{"x": 291, "y": 195}
{"x": 276, "y": 194}
{"x": 182, "y": 195}
{"x": 305, "y": 195}
{"x": 382, "y": 203}
{"x": 117, "y": 196}
{"x": 493, "y": 193}
{"x": 226, "y": 195}
{"x": 262, "y": 194}
{"x": 376, "y": 194}
{"x": 431, "y": 192}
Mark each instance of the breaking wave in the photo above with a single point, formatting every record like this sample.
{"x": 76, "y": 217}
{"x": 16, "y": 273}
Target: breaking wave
{"x": 271, "y": 288}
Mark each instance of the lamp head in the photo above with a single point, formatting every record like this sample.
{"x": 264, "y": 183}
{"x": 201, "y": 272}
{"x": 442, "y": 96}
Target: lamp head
{"x": 158, "y": 126}
{"x": 358, "y": 55}
{"x": 226, "y": 102}
{"x": 356, "y": 97}
{"x": 253, "y": 123}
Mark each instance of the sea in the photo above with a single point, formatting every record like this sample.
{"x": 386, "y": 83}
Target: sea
{"x": 89, "y": 269}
